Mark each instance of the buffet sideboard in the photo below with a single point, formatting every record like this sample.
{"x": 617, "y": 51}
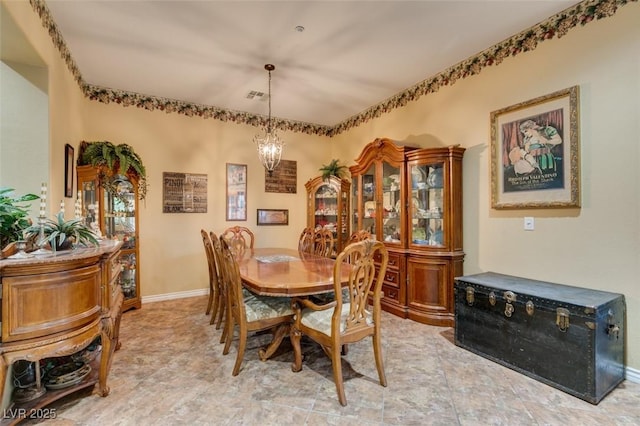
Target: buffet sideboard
{"x": 55, "y": 306}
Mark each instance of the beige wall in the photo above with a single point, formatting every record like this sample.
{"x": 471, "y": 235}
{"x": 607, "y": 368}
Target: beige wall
{"x": 597, "y": 246}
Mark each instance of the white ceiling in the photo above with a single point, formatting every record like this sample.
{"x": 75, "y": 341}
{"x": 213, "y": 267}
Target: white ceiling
{"x": 351, "y": 55}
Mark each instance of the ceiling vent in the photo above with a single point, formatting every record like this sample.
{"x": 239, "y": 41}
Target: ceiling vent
{"x": 260, "y": 96}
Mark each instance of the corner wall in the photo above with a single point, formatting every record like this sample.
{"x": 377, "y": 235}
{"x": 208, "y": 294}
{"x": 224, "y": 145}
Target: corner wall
{"x": 596, "y": 246}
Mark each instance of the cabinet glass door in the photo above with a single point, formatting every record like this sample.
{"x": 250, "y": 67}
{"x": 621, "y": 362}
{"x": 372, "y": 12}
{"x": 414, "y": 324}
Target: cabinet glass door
{"x": 369, "y": 201}
{"x": 326, "y": 208}
{"x": 90, "y": 205}
{"x": 119, "y": 214}
{"x": 426, "y": 206}
{"x": 391, "y": 204}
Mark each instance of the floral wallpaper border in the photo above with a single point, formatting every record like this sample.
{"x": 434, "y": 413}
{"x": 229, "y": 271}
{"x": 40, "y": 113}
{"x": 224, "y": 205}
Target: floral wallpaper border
{"x": 527, "y": 40}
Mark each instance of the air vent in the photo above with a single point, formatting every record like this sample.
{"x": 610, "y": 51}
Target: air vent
{"x": 254, "y": 94}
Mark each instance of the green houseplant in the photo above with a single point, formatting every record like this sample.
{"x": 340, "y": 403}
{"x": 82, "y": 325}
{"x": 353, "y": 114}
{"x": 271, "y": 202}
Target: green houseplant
{"x": 334, "y": 168}
{"x": 111, "y": 160}
{"x": 62, "y": 234}
{"x": 13, "y": 216}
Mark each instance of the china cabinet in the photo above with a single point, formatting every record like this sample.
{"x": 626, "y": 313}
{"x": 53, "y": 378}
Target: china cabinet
{"x": 328, "y": 207}
{"x": 114, "y": 215}
{"x": 411, "y": 199}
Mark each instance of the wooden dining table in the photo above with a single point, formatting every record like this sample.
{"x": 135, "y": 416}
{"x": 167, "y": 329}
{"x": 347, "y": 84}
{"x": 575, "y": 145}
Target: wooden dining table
{"x": 287, "y": 272}
{"x": 282, "y": 272}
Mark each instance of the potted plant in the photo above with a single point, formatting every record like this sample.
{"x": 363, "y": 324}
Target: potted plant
{"x": 62, "y": 234}
{"x": 13, "y": 216}
{"x": 334, "y": 168}
{"x": 112, "y": 160}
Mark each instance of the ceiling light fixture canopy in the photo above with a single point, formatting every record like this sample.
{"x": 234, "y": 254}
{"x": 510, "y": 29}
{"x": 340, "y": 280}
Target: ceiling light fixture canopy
{"x": 269, "y": 145}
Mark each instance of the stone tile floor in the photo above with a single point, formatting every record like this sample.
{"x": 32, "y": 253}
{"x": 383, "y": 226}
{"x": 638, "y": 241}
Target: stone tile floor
{"x": 171, "y": 371}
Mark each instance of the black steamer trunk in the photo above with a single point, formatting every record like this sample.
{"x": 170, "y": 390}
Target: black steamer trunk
{"x": 568, "y": 337}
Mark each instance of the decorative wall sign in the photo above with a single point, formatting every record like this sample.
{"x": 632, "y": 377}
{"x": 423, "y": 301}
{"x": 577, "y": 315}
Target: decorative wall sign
{"x": 236, "y": 201}
{"x": 535, "y": 148}
{"x": 184, "y": 193}
{"x": 283, "y": 179}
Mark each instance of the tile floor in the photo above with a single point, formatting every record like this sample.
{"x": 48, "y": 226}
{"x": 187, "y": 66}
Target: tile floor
{"x": 171, "y": 371}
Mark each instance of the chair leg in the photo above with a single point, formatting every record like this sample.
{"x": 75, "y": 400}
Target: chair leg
{"x": 377, "y": 353}
{"x": 222, "y": 306}
{"x": 295, "y": 336}
{"x": 228, "y": 333}
{"x": 224, "y": 315}
{"x": 210, "y": 302}
{"x": 215, "y": 301}
{"x": 336, "y": 362}
{"x": 242, "y": 343}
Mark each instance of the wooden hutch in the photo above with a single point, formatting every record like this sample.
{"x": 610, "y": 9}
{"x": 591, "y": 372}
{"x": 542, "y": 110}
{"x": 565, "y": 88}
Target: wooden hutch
{"x": 328, "y": 207}
{"x": 115, "y": 213}
{"x": 55, "y": 306}
{"x": 411, "y": 199}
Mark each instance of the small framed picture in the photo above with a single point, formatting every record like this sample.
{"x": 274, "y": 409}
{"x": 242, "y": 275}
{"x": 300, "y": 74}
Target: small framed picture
{"x": 68, "y": 171}
{"x": 273, "y": 217}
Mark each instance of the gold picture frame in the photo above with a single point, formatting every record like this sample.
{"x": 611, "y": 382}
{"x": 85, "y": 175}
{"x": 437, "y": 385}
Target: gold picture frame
{"x": 273, "y": 217}
{"x": 236, "y": 200}
{"x": 535, "y": 153}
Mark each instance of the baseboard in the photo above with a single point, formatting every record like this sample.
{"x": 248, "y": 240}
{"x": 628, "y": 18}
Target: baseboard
{"x": 177, "y": 295}
{"x": 631, "y": 374}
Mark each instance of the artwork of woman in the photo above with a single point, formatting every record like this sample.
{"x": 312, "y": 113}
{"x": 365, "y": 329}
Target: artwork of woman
{"x": 535, "y": 152}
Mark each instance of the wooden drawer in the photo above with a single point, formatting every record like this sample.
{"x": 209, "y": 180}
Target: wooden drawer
{"x": 392, "y": 293}
{"x": 395, "y": 260}
{"x": 392, "y": 278}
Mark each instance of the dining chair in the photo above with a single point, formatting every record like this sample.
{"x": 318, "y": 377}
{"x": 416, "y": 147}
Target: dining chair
{"x": 345, "y": 320}
{"x": 359, "y": 235}
{"x": 250, "y": 313}
{"x": 239, "y": 238}
{"x": 306, "y": 241}
{"x": 222, "y": 313}
{"x": 213, "y": 304}
{"x": 323, "y": 242}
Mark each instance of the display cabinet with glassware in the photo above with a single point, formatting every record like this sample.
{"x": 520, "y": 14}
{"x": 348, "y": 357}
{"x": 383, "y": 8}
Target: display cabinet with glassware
{"x": 328, "y": 207}
{"x": 411, "y": 199}
{"x": 434, "y": 237}
{"x": 379, "y": 200}
{"x": 113, "y": 214}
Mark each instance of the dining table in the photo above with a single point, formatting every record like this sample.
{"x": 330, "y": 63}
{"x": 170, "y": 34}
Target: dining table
{"x": 284, "y": 272}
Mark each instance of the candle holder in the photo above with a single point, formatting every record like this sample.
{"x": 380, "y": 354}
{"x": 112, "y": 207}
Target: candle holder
{"x": 21, "y": 245}
{"x": 41, "y": 241}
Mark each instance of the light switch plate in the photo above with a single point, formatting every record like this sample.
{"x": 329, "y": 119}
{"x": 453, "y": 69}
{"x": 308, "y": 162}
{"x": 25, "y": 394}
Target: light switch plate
{"x": 529, "y": 223}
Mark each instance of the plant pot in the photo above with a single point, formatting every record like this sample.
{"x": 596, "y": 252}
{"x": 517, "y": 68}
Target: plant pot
{"x": 66, "y": 245}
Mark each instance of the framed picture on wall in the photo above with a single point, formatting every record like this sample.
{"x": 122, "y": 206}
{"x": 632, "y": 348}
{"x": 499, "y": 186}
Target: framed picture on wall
{"x": 273, "y": 217}
{"x": 236, "y": 201}
{"x": 68, "y": 171}
{"x": 535, "y": 153}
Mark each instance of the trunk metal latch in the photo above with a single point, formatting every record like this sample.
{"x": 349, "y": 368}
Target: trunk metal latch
{"x": 470, "y": 296}
{"x": 510, "y": 297}
{"x": 562, "y": 319}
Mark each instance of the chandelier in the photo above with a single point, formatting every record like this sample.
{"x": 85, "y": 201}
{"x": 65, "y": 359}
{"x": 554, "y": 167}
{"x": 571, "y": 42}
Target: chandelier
{"x": 269, "y": 145}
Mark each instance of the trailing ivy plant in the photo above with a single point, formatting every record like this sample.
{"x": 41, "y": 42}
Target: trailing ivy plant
{"x": 334, "y": 168}
{"x": 113, "y": 160}
{"x": 13, "y": 215}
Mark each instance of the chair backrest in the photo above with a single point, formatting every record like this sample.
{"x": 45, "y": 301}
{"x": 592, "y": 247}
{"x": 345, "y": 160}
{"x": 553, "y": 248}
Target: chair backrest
{"x": 238, "y": 238}
{"x": 365, "y": 279}
{"x": 208, "y": 249}
{"x": 232, "y": 283}
{"x": 359, "y": 235}
{"x": 323, "y": 243}
{"x": 306, "y": 241}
